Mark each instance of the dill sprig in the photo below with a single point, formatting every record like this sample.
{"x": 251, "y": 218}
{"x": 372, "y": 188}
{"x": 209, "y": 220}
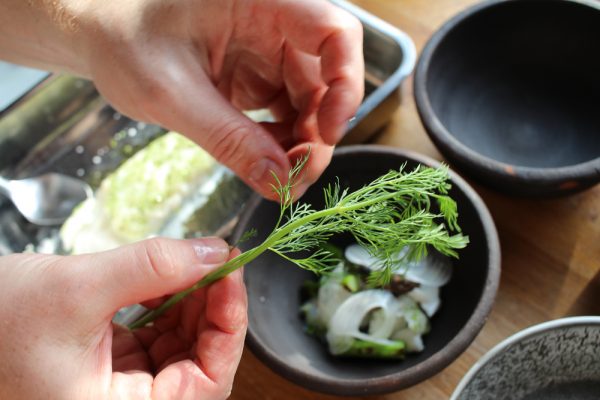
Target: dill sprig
{"x": 390, "y": 213}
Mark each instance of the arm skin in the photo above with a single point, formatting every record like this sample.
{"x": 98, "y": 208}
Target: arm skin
{"x": 192, "y": 65}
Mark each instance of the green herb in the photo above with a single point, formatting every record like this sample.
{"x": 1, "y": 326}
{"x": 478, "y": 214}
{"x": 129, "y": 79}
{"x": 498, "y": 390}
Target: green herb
{"x": 393, "y": 211}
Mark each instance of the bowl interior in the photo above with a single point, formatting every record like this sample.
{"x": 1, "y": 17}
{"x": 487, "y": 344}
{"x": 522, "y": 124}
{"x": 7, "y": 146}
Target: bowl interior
{"x": 276, "y": 332}
{"x": 518, "y": 82}
{"x": 554, "y": 360}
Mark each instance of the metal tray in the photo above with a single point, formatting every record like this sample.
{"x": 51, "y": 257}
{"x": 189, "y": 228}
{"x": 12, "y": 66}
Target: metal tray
{"x": 64, "y": 125}
{"x": 390, "y": 57}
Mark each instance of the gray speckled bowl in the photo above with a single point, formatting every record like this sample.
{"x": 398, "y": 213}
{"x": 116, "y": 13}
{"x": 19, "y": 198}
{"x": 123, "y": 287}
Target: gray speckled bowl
{"x": 554, "y": 360}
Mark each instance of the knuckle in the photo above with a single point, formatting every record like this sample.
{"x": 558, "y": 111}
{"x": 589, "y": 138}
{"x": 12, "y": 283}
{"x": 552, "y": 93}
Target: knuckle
{"x": 355, "y": 25}
{"x": 230, "y": 140}
{"x": 243, "y": 319}
{"x": 238, "y": 319}
{"x": 152, "y": 94}
{"x": 151, "y": 89}
{"x": 347, "y": 22}
{"x": 221, "y": 388}
{"x": 228, "y": 390}
{"x": 155, "y": 258}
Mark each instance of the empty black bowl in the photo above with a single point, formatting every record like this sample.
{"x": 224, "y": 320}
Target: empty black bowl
{"x": 276, "y": 334}
{"x": 509, "y": 91}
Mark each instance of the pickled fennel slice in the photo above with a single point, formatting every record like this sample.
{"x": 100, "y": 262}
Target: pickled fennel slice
{"x": 359, "y": 320}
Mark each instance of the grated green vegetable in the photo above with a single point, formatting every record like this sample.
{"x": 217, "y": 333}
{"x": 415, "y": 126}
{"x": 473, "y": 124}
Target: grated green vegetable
{"x": 168, "y": 166}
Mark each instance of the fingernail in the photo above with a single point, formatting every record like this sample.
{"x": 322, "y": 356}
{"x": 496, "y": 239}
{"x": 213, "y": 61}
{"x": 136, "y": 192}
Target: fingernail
{"x": 211, "y": 250}
{"x": 261, "y": 172}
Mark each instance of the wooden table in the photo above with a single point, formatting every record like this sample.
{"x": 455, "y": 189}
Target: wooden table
{"x": 550, "y": 249}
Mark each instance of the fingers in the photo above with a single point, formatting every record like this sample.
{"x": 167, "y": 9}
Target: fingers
{"x": 320, "y": 156}
{"x": 255, "y": 83}
{"x": 346, "y": 87}
{"x": 316, "y": 30}
{"x": 321, "y": 29}
{"x": 147, "y": 269}
{"x": 184, "y": 380}
{"x": 219, "y": 346}
{"x": 199, "y": 111}
{"x": 127, "y": 352}
{"x": 218, "y": 350}
{"x": 281, "y": 132}
{"x": 302, "y": 74}
{"x": 193, "y": 312}
{"x": 345, "y": 78}
{"x": 167, "y": 345}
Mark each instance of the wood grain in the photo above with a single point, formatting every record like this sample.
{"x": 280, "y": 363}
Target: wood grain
{"x": 550, "y": 248}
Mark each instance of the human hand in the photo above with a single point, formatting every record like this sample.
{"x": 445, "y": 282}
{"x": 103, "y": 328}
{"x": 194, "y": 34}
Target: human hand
{"x": 192, "y": 66}
{"x": 57, "y": 340}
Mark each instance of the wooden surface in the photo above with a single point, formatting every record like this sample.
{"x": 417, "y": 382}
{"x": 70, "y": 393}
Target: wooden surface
{"x": 550, "y": 249}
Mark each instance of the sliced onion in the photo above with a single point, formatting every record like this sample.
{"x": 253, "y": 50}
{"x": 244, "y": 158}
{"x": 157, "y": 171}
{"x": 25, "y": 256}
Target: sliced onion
{"x": 359, "y": 255}
{"x": 345, "y": 322}
{"x": 412, "y": 340}
{"x": 382, "y": 323}
{"x": 388, "y": 318}
{"x": 428, "y": 297}
{"x": 404, "y": 303}
{"x": 417, "y": 320}
{"x": 331, "y": 295}
{"x": 434, "y": 270}
{"x": 410, "y": 315}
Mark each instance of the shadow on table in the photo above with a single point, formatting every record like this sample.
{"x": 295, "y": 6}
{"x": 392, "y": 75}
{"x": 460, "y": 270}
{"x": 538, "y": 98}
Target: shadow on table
{"x": 588, "y": 302}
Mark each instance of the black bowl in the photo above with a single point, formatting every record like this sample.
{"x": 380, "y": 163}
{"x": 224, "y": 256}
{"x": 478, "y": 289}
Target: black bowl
{"x": 509, "y": 92}
{"x": 275, "y": 333}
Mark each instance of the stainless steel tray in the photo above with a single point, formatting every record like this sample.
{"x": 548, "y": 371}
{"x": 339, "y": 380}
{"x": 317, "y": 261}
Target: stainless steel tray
{"x": 390, "y": 57}
{"x": 64, "y": 125}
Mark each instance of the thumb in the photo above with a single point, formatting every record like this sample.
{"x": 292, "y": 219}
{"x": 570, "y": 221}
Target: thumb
{"x": 150, "y": 269}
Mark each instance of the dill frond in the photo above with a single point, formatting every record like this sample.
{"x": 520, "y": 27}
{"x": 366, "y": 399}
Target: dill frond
{"x": 393, "y": 211}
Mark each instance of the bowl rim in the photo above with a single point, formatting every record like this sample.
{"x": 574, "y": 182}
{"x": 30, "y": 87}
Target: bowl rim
{"x": 534, "y": 330}
{"x": 587, "y": 170}
{"x": 437, "y": 361}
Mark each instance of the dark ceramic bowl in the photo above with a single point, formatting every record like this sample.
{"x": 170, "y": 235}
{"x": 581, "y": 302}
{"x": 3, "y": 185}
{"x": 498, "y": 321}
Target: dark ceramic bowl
{"x": 509, "y": 92}
{"x": 555, "y": 360}
{"x": 275, "y": 332}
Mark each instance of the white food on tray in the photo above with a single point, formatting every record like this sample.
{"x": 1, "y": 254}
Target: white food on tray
{"x": 152, "y": 193}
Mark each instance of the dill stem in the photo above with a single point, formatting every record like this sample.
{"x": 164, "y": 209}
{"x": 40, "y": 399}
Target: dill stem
{"x": 346, "y": 204}
{"x": 245, "y": 258}
{"x": 227, "y": 268}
